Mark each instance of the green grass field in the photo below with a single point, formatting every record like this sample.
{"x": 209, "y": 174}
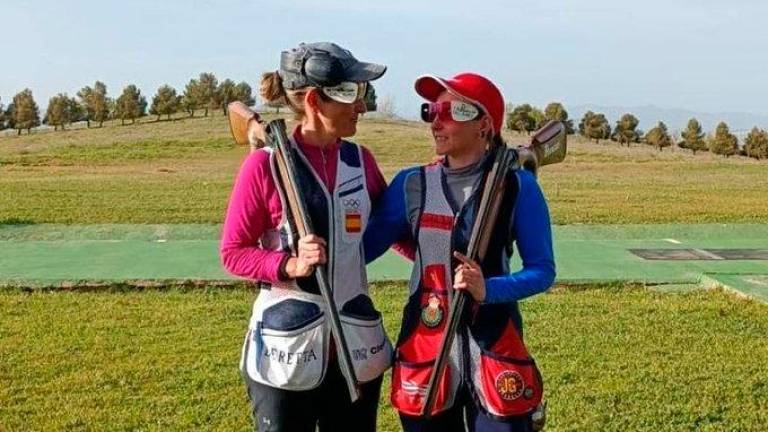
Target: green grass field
{"x": 614, "y": 358}
{"x": 182, "y": 171}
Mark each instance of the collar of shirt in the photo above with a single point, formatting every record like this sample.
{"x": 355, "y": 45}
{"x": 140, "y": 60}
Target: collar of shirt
{"x": 323, "y": 159}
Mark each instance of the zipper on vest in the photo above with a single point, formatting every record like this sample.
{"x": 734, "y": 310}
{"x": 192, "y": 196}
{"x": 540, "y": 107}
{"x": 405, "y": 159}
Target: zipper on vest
{"x": 325, "y": 170}
{"x": 331, "y": 224}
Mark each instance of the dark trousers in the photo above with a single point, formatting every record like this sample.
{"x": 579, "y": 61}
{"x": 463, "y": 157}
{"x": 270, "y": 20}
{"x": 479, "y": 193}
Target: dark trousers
{"x": 327, "y": 407}
{"x": 465, "y": 416}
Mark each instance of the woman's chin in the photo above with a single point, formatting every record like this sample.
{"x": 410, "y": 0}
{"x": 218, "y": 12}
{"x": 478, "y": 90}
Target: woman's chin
{"x": 440, "y": 150}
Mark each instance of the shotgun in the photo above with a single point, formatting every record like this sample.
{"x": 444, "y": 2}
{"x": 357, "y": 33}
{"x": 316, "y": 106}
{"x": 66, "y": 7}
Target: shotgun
{"x": 547, "y": 146}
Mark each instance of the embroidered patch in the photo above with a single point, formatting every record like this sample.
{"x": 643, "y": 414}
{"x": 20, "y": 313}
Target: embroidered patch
{"x": 509, "y": 385}
{"x": 353, "y": 222}
{"x": 432, "y": 312}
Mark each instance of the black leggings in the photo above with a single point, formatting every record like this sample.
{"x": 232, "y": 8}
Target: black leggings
{"x": 464, "y": 416}
{"x": 328, "y": 406}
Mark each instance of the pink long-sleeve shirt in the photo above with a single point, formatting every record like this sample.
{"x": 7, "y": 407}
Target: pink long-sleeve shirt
{"x": 254, "y": 207}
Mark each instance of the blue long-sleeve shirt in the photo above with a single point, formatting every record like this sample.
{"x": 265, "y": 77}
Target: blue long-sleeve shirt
{"x": 395, "y": 212}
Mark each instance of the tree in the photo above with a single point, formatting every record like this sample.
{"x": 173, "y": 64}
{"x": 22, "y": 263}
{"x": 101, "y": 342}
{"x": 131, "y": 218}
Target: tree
{"x": 226, "y": 93}
{"x": 659, "y": 136}
{"x": 626, "y": 130}
{"x": 207, "y": 86}
{"x": 723, "y": 142}
{"x": 2, "y": 115}
{"x": 556, "y": 111}
{"x": 93, "y": 102}
{"x": 370, "y": 98}
{"x": 584, "y": 120}
{"x": 10, "y": 123}
{"x": 76, "y": 111}
{"x": 60, "y": 111}
{"x": 523, "y": 119}
{"x": 100, "y": 103}
{"x": 130, "y": 105}
{"x": 756, "y": 144}
{"x": 595, "y": 126}
{"x": 165, "y": 102}
{"x": 26, "y": 114}
{"x": 244, "y": 94}
{"x": 86, "y": 94}
{"x": 693, "y": 137}
{"x": 191, "y": 97}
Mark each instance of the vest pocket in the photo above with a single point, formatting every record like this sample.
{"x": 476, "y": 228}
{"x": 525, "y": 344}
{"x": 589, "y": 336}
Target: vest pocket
{"x": 290, "y": 344}
{"x": 369, "y": 346}
{"x": 509, "y": 387}
{"x": 416, "y": 356}
{"x": 409, "y": 387}
{"x": 506, "y": 381}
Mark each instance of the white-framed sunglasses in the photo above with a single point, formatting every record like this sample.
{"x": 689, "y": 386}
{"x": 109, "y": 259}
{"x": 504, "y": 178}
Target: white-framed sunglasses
{"x": 450, "y": 110}
{"x": 347, "y": 92}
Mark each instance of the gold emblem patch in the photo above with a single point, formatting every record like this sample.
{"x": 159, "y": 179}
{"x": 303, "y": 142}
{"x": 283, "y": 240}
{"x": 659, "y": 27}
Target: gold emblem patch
{"x": 432, "y": 312}
{"x": 509, "y": 385}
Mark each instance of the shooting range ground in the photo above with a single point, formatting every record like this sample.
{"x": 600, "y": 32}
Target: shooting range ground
{"x": 681, "y": 256}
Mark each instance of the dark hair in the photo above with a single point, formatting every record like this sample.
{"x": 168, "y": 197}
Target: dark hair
{"x": 496, "y": 140}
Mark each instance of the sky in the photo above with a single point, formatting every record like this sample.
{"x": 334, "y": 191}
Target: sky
{"x": 708, "y": 56}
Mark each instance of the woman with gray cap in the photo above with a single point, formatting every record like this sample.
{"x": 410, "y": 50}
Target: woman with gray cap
{"x": 288, "y": 361}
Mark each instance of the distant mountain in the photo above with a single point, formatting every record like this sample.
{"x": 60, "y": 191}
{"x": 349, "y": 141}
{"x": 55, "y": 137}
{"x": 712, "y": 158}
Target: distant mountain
{"x": 676, "y": 119}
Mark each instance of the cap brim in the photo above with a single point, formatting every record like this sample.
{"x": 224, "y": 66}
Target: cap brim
{"x": 429, "y": 87}
{"x": 362, "y": 72}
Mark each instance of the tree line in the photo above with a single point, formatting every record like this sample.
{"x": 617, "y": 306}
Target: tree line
{"x": 93, "y": 104}
{"x": 526, "y": 118}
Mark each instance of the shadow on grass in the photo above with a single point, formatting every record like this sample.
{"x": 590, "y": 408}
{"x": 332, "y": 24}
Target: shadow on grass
{"x": 17, "y": 221}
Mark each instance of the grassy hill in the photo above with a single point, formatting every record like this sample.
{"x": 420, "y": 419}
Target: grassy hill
{"x": 182, "y": 171}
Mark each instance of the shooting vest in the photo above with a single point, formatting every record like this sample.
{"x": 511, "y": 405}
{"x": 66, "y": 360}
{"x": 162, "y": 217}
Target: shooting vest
{"x": 488, "y": 355}
{"x": 289, "y": 338}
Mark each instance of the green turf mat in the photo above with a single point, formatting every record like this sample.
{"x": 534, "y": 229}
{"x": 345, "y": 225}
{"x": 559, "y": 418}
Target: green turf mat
{"x": 54, "y": 253}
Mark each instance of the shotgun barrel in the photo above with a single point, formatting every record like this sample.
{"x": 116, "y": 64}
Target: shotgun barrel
{"x": 278, "y": 138}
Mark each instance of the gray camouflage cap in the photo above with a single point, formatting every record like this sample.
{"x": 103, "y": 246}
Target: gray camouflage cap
{"x": 324, "y": 64}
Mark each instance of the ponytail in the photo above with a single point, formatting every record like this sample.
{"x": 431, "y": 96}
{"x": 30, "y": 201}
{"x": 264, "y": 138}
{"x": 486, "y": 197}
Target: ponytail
{"x": 272, "y": 90}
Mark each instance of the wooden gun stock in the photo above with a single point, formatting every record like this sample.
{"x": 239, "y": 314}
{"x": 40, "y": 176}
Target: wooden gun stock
{"x": 548, "y": 146}
{"x": 245, "y": 125}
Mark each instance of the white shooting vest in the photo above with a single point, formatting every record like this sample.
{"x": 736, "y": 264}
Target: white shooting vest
{"x": 287, "y": 344}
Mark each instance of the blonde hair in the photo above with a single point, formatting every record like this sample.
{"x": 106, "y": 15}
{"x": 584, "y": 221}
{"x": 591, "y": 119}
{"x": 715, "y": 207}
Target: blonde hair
{"x": 272, "y": 91}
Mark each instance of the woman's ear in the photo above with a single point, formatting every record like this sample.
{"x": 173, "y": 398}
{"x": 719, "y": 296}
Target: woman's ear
{"x": 486, "y": 128}
{"x": 311, "y": 99}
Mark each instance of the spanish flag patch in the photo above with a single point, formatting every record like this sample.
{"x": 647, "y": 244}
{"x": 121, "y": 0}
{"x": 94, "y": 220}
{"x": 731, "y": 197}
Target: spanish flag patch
{"x": 353, "y": 222}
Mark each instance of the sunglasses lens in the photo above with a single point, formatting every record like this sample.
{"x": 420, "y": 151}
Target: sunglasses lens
{"x": 462, "y": 111}
{"x": 346, "y": 92}
{"x": 427, "y": 114}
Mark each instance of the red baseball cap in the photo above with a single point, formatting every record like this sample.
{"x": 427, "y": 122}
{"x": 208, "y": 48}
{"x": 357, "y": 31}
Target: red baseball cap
{"x": 472, "y": 87}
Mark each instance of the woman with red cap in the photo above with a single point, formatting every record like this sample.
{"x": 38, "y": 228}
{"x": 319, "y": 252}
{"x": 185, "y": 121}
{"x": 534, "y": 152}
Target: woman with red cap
{"x": 491, "y": 382}
{"x": 289, "y": 362}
